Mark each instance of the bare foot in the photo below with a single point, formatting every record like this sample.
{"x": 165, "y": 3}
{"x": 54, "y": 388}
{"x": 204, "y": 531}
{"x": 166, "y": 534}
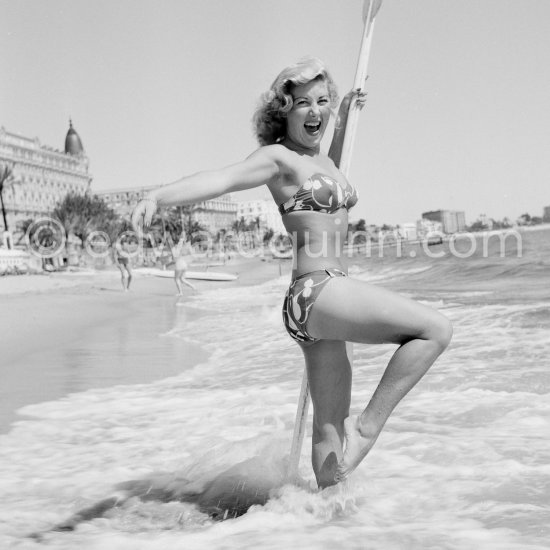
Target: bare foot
{"x": 357, "y": 448}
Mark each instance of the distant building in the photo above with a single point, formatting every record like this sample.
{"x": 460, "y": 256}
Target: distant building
{"x": 425, "y": 227}
{"x": 42, "y": 175}
{"x": 546, "y": 214}
{"x": 123, "y": 201}
{"x": 452, "y": 221}
{"x": 486, "y": 222}
{"x": 265, "y": 210}
{"x": 408, "y": 231}
{"x": 214, "y": 214}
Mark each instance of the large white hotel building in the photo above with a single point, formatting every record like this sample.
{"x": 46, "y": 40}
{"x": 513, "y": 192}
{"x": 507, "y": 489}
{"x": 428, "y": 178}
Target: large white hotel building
{"x": 41, "y": 175}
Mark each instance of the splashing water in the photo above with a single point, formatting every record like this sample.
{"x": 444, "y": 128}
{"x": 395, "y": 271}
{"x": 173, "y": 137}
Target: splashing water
{"x": 463, "y": 462}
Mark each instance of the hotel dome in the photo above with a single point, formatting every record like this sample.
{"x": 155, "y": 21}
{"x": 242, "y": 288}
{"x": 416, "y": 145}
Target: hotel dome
{"x": 73, "y": 143}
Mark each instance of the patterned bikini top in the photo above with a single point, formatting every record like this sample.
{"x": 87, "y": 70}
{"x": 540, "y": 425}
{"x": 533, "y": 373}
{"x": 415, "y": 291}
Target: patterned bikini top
{"x": 320, "y": 193}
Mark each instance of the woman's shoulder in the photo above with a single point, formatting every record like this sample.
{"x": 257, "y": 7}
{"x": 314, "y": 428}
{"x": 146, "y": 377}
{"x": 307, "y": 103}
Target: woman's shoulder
{"x": 289, "y": 161}
{"x": 276, "y": 152}
{"x": 278, "y": 156}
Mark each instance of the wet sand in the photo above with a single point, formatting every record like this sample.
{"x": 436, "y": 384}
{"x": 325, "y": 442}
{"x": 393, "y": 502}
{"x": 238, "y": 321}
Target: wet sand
{"x": 70, "y": 332}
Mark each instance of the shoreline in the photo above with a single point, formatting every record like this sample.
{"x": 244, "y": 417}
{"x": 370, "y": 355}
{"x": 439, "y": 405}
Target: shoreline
{"x": 375, "y": 245}
{"x": 75, "y": 331}
{"x": 80, "y": 338}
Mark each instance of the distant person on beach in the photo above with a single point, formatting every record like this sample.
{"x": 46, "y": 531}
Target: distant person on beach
{"x": 181, "y": 258}
{"x": 323, "y": 307}
{"x": 121, "y": 255}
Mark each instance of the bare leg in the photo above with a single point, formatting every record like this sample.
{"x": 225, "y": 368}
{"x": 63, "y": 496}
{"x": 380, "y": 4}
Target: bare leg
{"x": 178, "y": 284}
{"x": 122, "y": 276}
{"x": 406, "y": 367}
{"x": 179, "y": 277}
{"x": 128, "y": 278}
{"x": 329, "y": 376}
{"x": 352, "y": 310}
{"x": 186, "y": 282}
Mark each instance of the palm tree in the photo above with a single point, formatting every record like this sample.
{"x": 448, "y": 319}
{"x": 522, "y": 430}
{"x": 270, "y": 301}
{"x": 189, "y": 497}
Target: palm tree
{"x": 240, "y": 226}
{"x": 80, "y": 215}
{"x": 174, "y": 222}
{"x": 268, "y": 235}
{"x": 22, "y": 227}
{"x": 5, "y": 173}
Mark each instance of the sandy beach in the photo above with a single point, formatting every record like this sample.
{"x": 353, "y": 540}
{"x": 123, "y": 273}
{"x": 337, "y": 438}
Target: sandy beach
{"x": 62, "y": 332}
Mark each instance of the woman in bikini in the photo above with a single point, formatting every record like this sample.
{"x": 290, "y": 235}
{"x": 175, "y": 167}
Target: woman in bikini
{"x": 181, "y": 256}
{"x": 323, "y": 308}
{"x": 121, "y": 255}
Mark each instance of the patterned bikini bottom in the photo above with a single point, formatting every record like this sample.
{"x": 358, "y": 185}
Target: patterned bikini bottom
{"x": 299, "y": 300}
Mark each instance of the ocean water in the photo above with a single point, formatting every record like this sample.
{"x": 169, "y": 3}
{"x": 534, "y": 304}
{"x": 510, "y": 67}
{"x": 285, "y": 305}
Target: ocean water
{"x": 463, "y": 463}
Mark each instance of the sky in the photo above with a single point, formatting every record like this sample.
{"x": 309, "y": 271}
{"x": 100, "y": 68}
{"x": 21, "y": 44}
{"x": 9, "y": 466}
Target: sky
{"x": 457, "y": 115}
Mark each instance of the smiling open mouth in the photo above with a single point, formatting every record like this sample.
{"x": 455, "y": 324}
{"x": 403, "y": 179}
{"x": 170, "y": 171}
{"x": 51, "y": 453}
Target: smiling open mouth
{"x": 312, "y": 127}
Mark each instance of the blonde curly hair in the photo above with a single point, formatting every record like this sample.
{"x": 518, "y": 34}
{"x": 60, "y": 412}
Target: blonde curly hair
{"x": 269, "y": 119}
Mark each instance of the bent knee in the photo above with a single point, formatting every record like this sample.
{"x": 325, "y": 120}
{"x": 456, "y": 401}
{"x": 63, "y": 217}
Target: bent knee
{"x": 441, "y": 332}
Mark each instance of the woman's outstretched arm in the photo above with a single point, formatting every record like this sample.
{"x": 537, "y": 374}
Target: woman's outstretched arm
{"x": 260, "y": 168}
{"x": 337, "y": 144}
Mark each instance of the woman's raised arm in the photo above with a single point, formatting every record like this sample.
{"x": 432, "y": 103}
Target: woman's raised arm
{"x": 337, "y": 144}
{"x": 260, "y": 168}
